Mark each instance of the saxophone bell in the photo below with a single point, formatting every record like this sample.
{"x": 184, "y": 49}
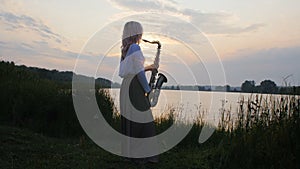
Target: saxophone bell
{"x": 155, "y": 92}
{"x": 161, "y": 79}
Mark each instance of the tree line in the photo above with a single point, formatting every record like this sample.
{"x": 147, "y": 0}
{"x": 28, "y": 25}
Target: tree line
{"x": 268, "y": 87}
{"x": 249, "y": 86}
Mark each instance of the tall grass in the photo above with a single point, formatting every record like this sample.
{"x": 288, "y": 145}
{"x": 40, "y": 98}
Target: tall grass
{"x": 263, "y": 132}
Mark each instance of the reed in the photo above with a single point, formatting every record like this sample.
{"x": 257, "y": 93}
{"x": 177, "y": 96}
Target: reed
{"x": 263, "y": 132}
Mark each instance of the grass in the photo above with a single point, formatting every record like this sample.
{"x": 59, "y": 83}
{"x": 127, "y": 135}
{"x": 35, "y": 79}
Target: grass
{"x": 21, "y": 148}
{"x": 263, "y": 134}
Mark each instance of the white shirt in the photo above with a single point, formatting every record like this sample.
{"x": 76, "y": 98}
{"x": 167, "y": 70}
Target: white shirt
{"x": 133, "y": 62}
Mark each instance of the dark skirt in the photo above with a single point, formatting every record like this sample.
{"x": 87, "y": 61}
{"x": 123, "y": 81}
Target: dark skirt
{"x": 132, "y": 91}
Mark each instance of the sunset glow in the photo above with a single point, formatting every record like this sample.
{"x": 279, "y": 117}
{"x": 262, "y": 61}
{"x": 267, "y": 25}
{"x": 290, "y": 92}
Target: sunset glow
{"x": 260, "y": 44}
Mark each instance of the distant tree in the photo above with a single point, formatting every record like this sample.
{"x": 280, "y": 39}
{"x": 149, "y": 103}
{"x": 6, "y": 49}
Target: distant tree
{"x": 248, "y": 86}
{"x": 227, "y": 87}
{"x": 201, "y": 88}
{"x": 268, "y": 86}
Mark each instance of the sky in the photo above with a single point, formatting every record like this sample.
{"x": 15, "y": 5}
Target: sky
{"x": 204, "y": 42}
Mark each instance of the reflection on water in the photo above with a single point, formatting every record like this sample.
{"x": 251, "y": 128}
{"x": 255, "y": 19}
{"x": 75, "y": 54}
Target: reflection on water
{"x": 190, "y": 105}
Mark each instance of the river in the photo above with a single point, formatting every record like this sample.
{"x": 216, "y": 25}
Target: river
{"x": 190, "y": 105}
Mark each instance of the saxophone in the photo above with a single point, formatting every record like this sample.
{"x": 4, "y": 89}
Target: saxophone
{"x": 160, "y": 78}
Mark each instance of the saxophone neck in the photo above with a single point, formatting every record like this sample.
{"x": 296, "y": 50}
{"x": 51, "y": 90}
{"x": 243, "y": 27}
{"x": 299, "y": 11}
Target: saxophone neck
{"x": 153, "y": 42}
{"x": 157, "y": 58}
{"x": 158, "y": 45}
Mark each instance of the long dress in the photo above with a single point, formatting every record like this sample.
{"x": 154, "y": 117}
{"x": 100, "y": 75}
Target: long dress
{"x": 133, "y": 101}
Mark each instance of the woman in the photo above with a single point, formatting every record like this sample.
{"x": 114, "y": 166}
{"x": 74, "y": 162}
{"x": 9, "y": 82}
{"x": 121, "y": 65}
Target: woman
{"x": 136, "y": 115}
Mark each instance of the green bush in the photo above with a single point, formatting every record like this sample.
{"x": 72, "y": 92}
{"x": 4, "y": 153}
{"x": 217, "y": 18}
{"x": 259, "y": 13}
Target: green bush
{"x": 29, "y": 100}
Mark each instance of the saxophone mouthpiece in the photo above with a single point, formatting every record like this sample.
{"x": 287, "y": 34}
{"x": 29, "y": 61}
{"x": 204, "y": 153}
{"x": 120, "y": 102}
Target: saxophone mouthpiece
{"x": 153, "y": 42}
{"x": 146, "y": 41}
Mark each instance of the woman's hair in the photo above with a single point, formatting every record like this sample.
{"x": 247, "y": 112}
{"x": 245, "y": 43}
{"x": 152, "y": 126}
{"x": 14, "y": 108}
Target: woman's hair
{"x": 131, "y": 34}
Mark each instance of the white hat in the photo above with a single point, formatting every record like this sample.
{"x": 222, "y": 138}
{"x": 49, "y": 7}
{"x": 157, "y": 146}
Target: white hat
{"x": 132, "y": 28}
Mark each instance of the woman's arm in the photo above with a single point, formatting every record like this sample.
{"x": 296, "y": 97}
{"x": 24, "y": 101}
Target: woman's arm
{"x": 143, "y": 81}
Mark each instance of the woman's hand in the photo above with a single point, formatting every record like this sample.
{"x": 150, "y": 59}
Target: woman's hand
{"x": 150, "y": 67}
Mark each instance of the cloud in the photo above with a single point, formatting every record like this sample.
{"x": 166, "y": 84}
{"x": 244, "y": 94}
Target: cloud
{"x": 210, "y": 23}
{"x": 41, "y": 54}
{"x": 145, "y": 5}
{"x": 14, "y": 22}
{"x": 218, "y": 23}
{"x": 273, "y": 63}
{"x": 37, "y": 49}
{"x": 13, "y": 6}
